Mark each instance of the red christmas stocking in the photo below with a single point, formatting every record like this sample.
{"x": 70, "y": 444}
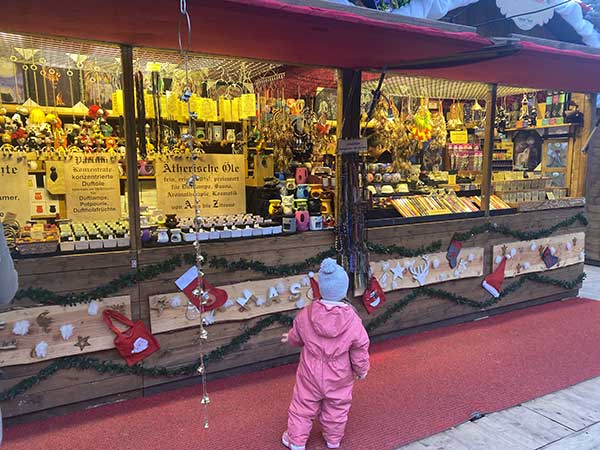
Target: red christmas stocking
{"x": 373, "y": 297}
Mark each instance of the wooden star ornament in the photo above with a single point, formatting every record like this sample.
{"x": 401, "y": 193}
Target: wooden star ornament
{"x": 82, "y": 342}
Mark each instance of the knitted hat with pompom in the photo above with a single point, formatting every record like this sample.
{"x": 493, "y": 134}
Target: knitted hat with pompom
{"x": 333, "y": 281}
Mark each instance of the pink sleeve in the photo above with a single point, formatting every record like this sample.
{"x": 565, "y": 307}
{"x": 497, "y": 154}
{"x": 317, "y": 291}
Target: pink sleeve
{"x": 295, "y": 333}
{"x": 359, "y": 352}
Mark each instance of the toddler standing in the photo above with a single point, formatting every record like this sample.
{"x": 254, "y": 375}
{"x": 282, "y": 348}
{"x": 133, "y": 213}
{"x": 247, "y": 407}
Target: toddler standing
{"x": 335, "y": 352}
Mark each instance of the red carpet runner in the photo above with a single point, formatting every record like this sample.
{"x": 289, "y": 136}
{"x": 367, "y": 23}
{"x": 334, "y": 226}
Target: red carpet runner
{"x": 419, "y": 385}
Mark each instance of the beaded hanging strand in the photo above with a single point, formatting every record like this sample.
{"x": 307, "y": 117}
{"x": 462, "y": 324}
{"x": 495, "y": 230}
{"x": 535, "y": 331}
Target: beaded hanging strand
{"x": 199, "y": 292}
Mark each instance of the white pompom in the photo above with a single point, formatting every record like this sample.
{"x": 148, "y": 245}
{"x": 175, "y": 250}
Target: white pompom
{"x": 280, "y": 288}
{"x": 66, "y": 331}
{"x": 328, "y": 265}
{"x": 471, "y": 257}
{"x": 175, "y": 302}
{"x": 513, "y": 252}
{"x": 21, "y": 328}
{"x": 552, "y": 250}
{"x": 311, "y": 274}
{"x": 533, "y": 247}
{"x": 498, "y": 259}
{"x": 93, "y": 308}
{"x": 41, "y": 349}
{"x": 569, "y": 246}
{"x": 209, "y": 318}
{"x": 436, "y": 263}
{"x": 526, "y": 265}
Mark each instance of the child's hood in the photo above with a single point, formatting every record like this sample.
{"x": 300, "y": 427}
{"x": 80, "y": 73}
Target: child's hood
{"x": 331, "y": 321}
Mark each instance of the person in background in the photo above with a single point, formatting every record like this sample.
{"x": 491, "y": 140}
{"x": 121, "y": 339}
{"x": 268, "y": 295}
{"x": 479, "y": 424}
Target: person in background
{"x": 335, "y": 353}
{"x": 9, "y": 283}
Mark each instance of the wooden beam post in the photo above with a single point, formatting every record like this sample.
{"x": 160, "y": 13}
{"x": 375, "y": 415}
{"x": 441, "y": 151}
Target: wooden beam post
{"x": 350, "y": 220}
{"x": 133, "y": 190}
{"x": 488, "y": 149}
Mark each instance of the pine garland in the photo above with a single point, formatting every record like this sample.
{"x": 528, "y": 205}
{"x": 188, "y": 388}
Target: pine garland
{"x": 46, "y": 297}
{"x": 402, "y": 251}
{"x": 89, "y": 363}
{"x": 522, "y": 235}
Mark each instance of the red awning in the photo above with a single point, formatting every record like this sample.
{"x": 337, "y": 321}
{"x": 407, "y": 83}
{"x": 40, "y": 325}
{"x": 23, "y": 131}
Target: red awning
{"x": 299, "y": 34}
{"x": 535, "y": 66}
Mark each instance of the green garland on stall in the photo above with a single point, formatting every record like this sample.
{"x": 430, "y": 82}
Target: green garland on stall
{"x": 402, "y": 251}
{"x": 90, "y": 363}
{"x": 522, "y": 235}
{"x": 47, "y": 297}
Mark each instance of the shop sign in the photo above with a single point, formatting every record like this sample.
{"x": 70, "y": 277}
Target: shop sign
{"x": 14, "y": 189}
{"x": 92, "y": 187}
{"x": 221, "y": 185}
{"x": 518, "y": 9}
{"x": 459, "y": 137}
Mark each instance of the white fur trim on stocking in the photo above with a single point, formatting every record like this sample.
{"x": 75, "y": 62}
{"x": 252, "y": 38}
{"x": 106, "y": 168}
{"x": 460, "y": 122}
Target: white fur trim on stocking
{"x": 139, "y": 345}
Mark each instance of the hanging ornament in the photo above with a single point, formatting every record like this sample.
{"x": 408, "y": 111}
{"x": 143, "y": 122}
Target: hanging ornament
{"x": 373, "y": 296}
{"x": 314, "y": 285}
{"x": 421, "y": 131}
{"x": 550, "y": 260}
{"x": 199, "y": 290}
{"x": 493, "y": 282}
{"x": 501, "y": 120}
{"x": 453, "y": 252}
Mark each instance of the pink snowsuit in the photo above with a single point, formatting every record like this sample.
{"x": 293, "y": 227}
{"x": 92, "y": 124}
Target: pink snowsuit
{"x": 335, "y": 349}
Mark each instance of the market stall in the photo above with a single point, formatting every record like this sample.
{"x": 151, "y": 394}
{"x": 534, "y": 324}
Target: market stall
{"x": 442, "y": 200}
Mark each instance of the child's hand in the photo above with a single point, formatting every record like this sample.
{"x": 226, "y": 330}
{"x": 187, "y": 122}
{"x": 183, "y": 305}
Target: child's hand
{"x": 284, "y": 338}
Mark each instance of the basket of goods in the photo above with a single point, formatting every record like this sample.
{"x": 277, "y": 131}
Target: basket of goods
{"x": 38, "y": 239}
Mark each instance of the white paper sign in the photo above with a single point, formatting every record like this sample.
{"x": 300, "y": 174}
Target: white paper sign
{"x": 346, "y": 146}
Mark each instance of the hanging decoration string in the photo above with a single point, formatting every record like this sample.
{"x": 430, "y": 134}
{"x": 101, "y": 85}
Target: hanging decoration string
{"x": 198, "y": 292}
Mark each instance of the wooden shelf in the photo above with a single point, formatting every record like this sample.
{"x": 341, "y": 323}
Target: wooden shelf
{"x": 541, "y": 127}
{"x": 60, "y": 110}
{"x": 141, "y": 177}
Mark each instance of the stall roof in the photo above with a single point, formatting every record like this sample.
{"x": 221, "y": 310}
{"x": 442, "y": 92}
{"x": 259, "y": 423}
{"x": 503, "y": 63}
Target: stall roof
{"x": 310, "y": 32}
{"x": 435, "y": 88}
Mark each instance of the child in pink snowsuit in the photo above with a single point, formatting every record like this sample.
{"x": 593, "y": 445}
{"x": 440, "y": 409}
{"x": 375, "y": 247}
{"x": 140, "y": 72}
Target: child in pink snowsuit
{"x": 335, "y": 352}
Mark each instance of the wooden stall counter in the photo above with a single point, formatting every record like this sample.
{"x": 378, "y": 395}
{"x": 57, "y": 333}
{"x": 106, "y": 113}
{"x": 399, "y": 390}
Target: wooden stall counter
{"x": 266, "y": 283}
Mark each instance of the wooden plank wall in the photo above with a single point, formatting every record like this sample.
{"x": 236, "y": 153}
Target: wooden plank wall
{"x": 76, "y": 273}
{"x": 592, "y": 197}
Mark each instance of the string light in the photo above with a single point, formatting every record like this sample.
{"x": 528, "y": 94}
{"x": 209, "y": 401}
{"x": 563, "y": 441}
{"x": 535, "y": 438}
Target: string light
{"x": 199, "y": 293}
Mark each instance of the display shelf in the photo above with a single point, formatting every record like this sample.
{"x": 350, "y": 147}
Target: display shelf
{"x": 140, "y": 177}
{"x": 389, "y": 217}
{"x": 541, "y": 127}
{"x": 60, "y": 110}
